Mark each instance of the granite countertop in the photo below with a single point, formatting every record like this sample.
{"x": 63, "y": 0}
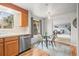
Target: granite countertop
{"x": 12, "y": 34}
{"x": 16, "y": 31}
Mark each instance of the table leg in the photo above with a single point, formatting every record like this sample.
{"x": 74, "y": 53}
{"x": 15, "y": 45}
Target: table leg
{"x": 42, "y": 44}
{"x": 46, "y": 42}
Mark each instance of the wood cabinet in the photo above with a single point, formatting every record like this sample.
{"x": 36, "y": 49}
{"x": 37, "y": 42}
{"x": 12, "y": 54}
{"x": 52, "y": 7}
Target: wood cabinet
{"x": 24, "y": 19}
{"x": 1, "y": 47}
{"x": 11, "y": 46}
{"x": 73, "y": 51}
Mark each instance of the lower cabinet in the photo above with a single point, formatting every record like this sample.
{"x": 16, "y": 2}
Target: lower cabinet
{"x": 73, "y": 51}
{"x": 1, "y": 49}
{"x": 11, "y": 46}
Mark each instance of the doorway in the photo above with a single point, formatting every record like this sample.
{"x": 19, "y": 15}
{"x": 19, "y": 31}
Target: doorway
{"x": 36, "y": 26}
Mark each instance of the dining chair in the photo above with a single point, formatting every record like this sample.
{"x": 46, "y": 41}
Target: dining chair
{"x": 51, "y": 40}
{"x": 37, "y": 40}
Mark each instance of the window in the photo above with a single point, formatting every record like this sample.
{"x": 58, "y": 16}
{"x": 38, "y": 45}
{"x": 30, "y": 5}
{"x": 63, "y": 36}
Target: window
{"x": 6, "y": 20}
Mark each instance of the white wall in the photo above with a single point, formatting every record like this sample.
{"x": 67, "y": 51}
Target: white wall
{"x": 44, "y": 26}
{"x": 49, "y": 26}
{"x": 73, "y": 34}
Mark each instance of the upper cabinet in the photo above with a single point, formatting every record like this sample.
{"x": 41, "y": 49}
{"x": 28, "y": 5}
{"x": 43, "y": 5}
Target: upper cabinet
{"x": 24, "y": 19}
{"x": 24, "y": 13}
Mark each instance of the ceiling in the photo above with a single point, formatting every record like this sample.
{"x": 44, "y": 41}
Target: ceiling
{"x": 45, "y": 9}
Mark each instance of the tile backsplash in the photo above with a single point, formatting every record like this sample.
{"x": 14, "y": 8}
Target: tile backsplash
{"x": 16, "y": 30}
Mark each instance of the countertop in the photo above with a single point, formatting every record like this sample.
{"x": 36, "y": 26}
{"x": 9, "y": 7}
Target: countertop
{"x": 12, "y": 34}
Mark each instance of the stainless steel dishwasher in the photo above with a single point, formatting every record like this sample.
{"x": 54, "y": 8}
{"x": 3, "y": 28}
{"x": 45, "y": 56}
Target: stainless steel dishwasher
{"x": 25, "y": 42}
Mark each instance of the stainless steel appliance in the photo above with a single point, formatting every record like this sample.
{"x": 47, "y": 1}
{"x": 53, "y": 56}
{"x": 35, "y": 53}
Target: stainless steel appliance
{"x": 25, "y": 42}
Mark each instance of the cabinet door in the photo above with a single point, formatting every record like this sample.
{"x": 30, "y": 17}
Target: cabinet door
{"x": 73, "y": 51}
{"x": 24, "y": 19}
{"x": 1, "y": 49}
{"x": 11, "y": 48}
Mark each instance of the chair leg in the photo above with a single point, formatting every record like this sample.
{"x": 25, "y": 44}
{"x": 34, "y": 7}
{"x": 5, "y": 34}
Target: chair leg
{"x": 42, "y": 44}
{"x": 52, "y": 43}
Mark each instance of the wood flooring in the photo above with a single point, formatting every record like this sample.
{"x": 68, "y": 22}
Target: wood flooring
{"x": 34, "y": 52}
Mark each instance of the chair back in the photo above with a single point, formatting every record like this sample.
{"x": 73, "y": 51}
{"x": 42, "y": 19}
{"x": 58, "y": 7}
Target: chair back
{"x": 53, "y": 37}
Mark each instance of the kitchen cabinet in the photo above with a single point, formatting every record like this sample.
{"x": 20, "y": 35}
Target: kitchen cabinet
{"x": 24, "y": 19}
{"x": 11, "y": 46}
{"x": 1, "y": 47}
{"x": 73, "y": 51}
